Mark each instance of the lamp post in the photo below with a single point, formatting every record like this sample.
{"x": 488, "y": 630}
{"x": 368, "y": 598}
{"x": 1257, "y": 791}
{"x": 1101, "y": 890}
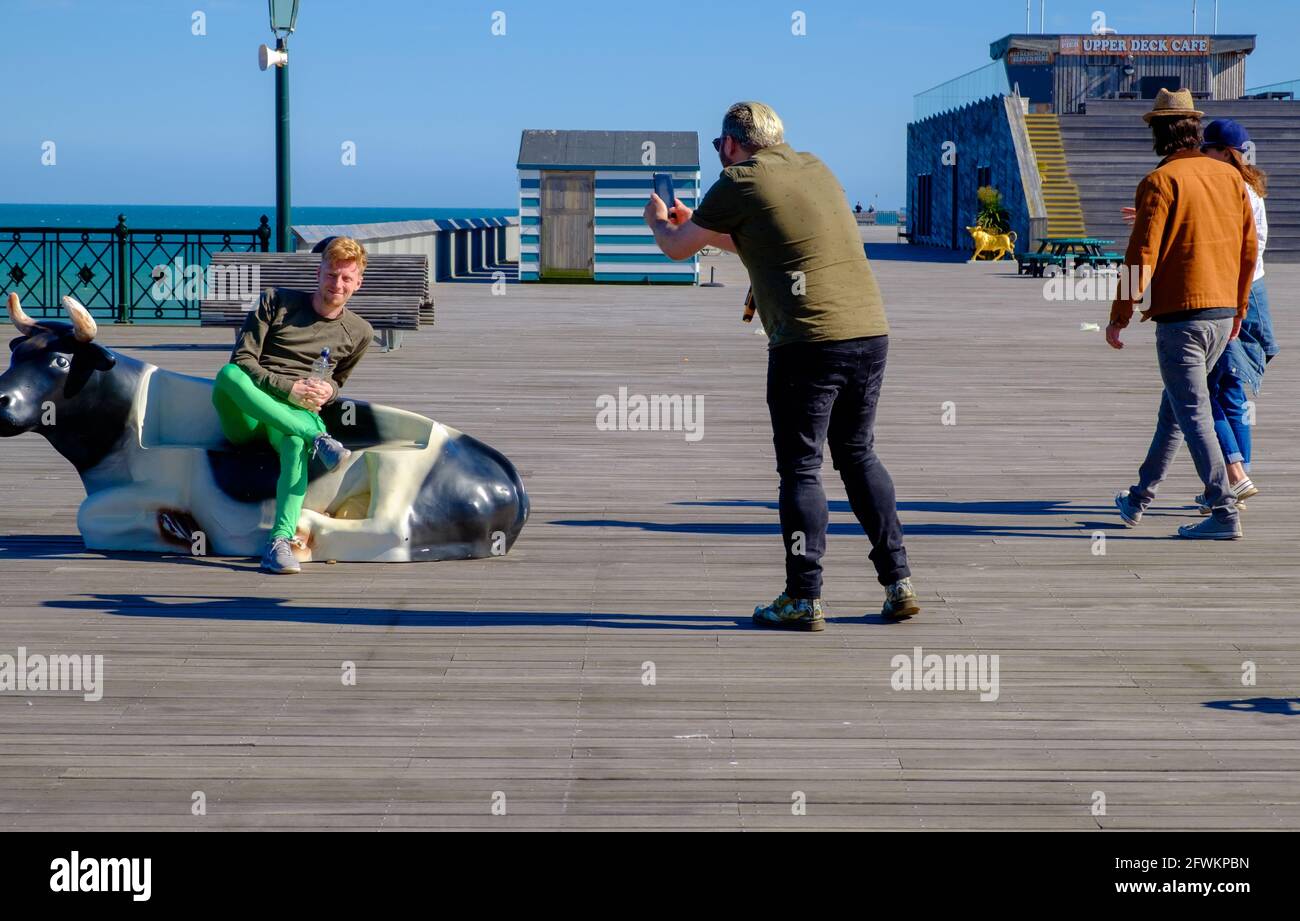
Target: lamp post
{"x": 284, "y": 16}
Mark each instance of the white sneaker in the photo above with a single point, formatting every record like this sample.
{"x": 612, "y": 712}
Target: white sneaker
{"x": 1243, "y": 489}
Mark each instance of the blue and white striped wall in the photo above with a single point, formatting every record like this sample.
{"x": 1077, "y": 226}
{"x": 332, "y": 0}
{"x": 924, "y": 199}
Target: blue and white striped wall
{"x": 625, "y": 249}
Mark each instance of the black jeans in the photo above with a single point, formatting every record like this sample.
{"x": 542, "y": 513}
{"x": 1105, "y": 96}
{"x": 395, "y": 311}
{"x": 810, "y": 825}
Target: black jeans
{"x": 828, "y": 391}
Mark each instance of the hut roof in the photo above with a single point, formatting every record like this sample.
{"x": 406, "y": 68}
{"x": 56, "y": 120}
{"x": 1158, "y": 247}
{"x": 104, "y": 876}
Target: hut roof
{"x": 547, "y": 149}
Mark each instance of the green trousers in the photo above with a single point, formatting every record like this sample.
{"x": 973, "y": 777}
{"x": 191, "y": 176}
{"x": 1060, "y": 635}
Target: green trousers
{"x": 247, "y": 413}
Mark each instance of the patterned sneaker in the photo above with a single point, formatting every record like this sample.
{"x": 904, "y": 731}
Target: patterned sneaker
{"x": 1129, "y": 511}
{"x": 330, "y": 451}
{"x": 1212, "y": 529}
{"x": 900, "y": 601}
{"x": 279, "y": 559}
{"x": 786, "y": 613}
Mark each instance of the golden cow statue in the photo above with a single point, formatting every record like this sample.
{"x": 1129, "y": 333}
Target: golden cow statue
{"x": 1001, "y": 243}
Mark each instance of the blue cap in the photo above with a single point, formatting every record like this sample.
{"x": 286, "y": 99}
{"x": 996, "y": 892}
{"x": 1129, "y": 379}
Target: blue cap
{"x": 1224, "y": 132}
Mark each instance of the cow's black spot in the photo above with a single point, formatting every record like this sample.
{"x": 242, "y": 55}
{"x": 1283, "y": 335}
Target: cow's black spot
{"x": 472, "y": 491}
{"x": 363, "y": 432}
{"x": 249, "y": 473}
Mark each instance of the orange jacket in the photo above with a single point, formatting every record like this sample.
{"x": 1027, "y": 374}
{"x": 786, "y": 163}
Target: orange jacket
{"x": 1194, "y": 239}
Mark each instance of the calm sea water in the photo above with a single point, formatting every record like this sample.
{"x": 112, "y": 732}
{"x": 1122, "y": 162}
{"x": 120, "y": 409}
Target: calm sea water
{"x": 217, "y": 217}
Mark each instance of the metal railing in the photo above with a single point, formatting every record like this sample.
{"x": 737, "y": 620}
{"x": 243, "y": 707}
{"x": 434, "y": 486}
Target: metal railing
{"x": 880, "y": 218}
{"x": 1288, "y": 90}
{"x": 116, "y": 272}
{"x": 981, "y": 83}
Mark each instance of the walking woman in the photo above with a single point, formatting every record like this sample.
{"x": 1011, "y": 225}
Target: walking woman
{"x": 1242, "y": 364}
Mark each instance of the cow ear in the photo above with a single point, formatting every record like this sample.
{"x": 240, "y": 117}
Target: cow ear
{"x": 87, "y": 358}
{"x": 101, "y": 358}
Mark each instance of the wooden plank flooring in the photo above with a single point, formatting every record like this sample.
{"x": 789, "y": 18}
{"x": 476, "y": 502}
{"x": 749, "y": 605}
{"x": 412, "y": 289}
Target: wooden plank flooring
{"x": 1119, "y": 673}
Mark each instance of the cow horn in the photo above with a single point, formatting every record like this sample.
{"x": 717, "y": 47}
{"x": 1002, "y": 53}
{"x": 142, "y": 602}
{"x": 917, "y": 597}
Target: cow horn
{"x": 83, "y": 324}
{"x": 26, "y": 325}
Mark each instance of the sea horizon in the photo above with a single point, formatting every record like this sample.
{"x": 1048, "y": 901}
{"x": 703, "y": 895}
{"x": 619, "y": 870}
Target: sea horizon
{"x": 220, "y": 217}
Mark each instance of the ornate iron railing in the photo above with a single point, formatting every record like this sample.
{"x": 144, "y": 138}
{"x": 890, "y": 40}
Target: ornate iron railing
{"x": 116, "y": 271}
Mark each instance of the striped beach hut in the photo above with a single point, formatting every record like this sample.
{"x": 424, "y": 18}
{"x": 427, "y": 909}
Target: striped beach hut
{"x": 581, "y": 194}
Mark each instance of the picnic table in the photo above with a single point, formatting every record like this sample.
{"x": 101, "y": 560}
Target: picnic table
{"x": 1068, "y": 251}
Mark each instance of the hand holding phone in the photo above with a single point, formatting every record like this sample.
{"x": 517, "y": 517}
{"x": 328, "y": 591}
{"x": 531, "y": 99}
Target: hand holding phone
{"x": 663, "y": 187}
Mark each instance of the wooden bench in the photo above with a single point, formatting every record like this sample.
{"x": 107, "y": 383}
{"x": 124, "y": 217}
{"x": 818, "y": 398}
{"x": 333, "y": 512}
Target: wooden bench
{"x": 394, "y": 295}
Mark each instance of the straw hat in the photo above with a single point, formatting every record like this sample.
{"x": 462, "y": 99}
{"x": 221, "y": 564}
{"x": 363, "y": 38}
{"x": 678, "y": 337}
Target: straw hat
{"x": 1173, "y": 103}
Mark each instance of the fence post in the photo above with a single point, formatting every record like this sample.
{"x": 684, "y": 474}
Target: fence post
{"x": 263, "y": 233}
{"x": 123, "y": 279}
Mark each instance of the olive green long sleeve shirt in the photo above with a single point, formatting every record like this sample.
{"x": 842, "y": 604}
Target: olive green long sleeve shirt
{"x": 284, "y": 335}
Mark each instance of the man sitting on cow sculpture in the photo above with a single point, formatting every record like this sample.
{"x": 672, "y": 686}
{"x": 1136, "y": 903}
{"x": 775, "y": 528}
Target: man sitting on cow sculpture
{"x": 265, "y": 391}
{"x": 171, "y": 461}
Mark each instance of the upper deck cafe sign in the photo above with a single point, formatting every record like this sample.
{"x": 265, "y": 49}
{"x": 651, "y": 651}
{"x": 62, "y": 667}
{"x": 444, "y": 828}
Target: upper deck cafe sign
{"x": 1135, "y": 44}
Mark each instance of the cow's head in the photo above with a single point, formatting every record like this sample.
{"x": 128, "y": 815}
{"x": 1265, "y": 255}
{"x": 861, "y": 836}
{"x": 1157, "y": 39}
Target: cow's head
{"x": 52, "y": 363}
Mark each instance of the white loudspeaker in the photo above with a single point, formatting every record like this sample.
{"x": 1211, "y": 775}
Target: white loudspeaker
{"x": 268, "y": 57}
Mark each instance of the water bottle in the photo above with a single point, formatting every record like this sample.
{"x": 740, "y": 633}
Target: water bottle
{"x": 320, "y": 368}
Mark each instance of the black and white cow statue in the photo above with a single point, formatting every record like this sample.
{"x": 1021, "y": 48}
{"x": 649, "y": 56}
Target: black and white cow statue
{"x": 160, "y": 476}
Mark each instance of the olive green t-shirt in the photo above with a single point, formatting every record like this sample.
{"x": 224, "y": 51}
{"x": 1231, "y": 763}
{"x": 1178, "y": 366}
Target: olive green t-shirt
{"x": 284, "y": 335}
{"x": 800, "y": 243}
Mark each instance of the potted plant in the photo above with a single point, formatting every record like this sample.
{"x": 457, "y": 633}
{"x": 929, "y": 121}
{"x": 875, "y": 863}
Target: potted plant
{"x": 992, "y": 216}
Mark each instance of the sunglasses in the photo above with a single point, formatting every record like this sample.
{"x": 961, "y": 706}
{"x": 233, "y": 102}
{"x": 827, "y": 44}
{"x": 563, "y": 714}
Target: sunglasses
{"x": 717, "y": 144}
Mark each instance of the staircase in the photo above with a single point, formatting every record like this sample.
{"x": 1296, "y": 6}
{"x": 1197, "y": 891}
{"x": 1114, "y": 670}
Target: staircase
{"x": 1109, "y": 151}
{"x": 1065, "y": 217}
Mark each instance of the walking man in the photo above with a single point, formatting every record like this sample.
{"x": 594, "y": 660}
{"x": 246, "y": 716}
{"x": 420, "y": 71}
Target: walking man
{"x": 787, "y": 217}
{"x": 1193, "y": 247}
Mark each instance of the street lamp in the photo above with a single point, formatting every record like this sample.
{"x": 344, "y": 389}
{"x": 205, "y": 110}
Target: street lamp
{"x": 284, "y": 16}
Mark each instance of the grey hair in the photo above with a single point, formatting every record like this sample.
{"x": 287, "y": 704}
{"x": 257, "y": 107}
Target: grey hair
{"x": 753, "y": 125}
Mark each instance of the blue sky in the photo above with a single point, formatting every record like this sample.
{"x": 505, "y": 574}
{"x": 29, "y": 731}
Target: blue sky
{"x": 144, "y": 112}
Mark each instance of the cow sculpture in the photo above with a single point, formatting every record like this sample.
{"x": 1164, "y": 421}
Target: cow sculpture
{"x": 160, "y": 476}
{"x": 986, "y": 242}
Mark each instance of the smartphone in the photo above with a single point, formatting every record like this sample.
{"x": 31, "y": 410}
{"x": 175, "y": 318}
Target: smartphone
{"x": 664, "y": 189}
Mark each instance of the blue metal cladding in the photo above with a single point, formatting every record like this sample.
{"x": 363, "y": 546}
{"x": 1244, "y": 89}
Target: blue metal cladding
{"x": 442, "y": 257}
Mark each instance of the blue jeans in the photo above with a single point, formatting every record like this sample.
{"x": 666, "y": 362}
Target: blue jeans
{"x": 1229, "y": 402}
{"x": 1239, "y": 371}
{"x": 1247, "y": 355}
{"x": 1186, "y": 351}
{"x": 826, "y": 392}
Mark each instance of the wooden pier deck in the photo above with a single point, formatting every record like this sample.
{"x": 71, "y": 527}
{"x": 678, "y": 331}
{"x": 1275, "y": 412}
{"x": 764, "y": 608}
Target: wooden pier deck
{"x": 519, "y": 681}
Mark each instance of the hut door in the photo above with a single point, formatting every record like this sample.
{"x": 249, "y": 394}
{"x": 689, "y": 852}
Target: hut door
{"x": 568, "y": 222}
